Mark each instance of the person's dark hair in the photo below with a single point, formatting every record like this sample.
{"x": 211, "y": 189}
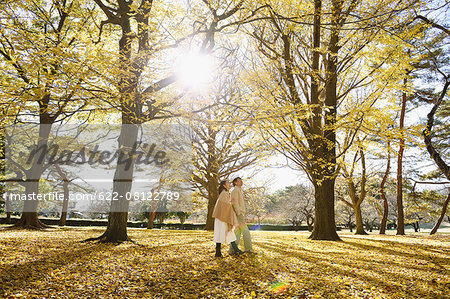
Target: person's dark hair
{"x": 222, "y": 186}
{"x": 235, "y": 180}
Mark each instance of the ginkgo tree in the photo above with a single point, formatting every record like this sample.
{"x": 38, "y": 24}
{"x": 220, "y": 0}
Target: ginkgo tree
{"x": 224, "y": 144}
{"x": 45, "y": 58}
{"x": 312, "y": 59}
{"x": 138, "y": 46}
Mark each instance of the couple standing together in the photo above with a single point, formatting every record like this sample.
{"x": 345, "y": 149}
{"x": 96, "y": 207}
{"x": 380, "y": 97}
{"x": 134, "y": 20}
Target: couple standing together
{"x": 229, "y": 214}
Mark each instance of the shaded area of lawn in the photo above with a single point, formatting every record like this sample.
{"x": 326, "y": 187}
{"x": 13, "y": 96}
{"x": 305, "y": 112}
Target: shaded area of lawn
{"x": 180, "y": 264}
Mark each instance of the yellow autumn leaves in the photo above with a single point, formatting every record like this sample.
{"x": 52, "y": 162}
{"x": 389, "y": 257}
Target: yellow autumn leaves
{"x": 180, "y": 264}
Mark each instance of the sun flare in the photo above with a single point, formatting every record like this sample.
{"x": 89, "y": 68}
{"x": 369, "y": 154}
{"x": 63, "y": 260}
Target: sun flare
{"x": 195, "y": 70}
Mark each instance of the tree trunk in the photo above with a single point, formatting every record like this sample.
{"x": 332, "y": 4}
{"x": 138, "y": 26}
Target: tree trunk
{"x": 444, "y": 210}
{"x": 182, "y": 217}
{"x": 8, "y": 208}
{"x": 359, "y": 221}
{"x": 383, "y": 196}
{"x": 62, "y": 220}
{"x": 385, "y": 216}
{"x": 151, "y": 218}
{"x": 131, "y": 109}
{"x": 161, "y": 217}
{"x": 427, "y": 134}
{"x": 357, "y": 200}
{"x": 209, "y": 219}
{"x": 213, "y": 191}
{"x": 416, "y": 226}
{"x": 117, "y": 228}
{"x": 325, "y": 154}
{"x": 310, "y": 222}
{"x": 29, "y": 218}
{"x": 212, "y": 170}
{"x": 152, "y": 214}
{"x": 434, "y": 153}
{"x": 324, "y": 220}
{"x": 400, "y": 215}
{"x": 123, "y": 178}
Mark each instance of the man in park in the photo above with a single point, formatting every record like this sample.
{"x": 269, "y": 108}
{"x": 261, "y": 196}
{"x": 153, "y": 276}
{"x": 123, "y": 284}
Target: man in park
{"x": 237, "y": 200}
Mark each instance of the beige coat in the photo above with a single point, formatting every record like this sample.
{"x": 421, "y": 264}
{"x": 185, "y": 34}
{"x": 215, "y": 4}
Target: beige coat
{"x": 223, "y": 210}
{"x": 237, "y": 199}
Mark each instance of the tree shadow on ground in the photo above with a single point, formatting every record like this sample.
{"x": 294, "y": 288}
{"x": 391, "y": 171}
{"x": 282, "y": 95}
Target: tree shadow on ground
{"x": 171, "y": 264}
{"x": 16, "y": 276}
{"x": 376, "y": 272}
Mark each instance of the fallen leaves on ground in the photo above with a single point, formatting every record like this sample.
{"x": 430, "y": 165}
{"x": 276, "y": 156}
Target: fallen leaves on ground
{"x": 181, "y": 264}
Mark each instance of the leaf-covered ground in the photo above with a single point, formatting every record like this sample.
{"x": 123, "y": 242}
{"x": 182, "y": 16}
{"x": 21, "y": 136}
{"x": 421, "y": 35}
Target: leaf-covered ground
{"x": 181, "y": 264}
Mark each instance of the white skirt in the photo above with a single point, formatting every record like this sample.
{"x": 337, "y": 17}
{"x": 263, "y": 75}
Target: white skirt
{"x": 220, "y": 232}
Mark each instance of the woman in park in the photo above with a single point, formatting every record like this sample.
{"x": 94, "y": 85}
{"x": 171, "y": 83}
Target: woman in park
{"x": 225, "y": 220}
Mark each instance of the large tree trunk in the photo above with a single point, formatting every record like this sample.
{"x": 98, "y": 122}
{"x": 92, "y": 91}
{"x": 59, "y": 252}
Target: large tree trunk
{"x": 444, "y": 210}
{"x": 383, "y": 196}
{"x": 131, "y": 109}
{"x": 123, "y": 178}
{"x": 213, "y": 185}
{"x": 400, "y": 215}
{"x": 117, "y": 228}
{"x": 324, "y": 220}
{"x": 29, "y": 218}
{"x": 213, "y": 176}
{"x": 359, "y": 221}
{"x": 62, "y": 220}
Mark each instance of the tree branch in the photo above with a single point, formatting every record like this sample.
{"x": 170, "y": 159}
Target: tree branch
{"x": 427, "y": 134}
{"x": 432, "y": 23}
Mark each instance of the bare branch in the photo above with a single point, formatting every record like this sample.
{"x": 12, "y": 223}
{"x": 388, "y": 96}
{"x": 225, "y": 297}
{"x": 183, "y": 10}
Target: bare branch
{"x": 432, "y": 23}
